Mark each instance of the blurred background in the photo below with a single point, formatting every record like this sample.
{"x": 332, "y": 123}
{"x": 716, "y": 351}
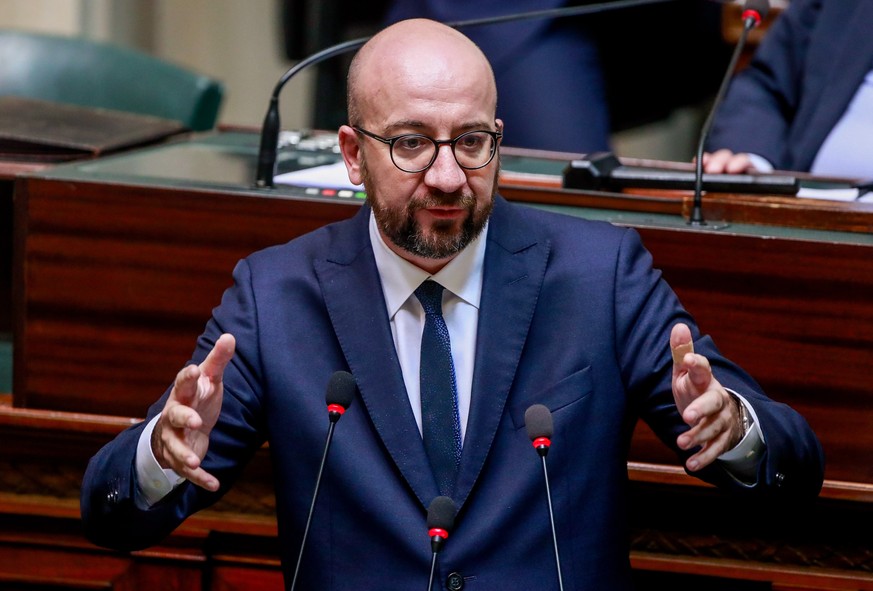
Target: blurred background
{"x": 248, "y": 45}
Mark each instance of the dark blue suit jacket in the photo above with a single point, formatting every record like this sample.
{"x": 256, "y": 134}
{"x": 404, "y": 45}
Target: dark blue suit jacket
{"x": 799, "y": 83}
{"x": 572, "y": 316}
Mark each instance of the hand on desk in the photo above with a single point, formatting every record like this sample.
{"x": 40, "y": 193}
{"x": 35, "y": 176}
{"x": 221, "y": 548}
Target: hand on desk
{"x": 725, "y": 161}
{"x": 703, "y": 403}
{"x": 181, "y": 436}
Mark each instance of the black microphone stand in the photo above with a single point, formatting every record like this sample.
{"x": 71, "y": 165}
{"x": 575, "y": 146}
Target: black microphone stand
{"x": 696, "y": 217}
{"x": 433, "y": 563}
{"x": 270, "y": 129}
{"x": 538, "y": 420}
{"x": 334, "y": 416}
{"x": 440, "y": 521}
{"x": 543, "y": 450}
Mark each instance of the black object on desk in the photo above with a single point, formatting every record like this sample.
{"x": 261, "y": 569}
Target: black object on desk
{"x": 603, "y": 171}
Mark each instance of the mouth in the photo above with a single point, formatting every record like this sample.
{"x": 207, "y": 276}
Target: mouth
{"x": 445, "y": 212}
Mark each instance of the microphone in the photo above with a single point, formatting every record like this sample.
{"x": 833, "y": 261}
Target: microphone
{"x": 538, "y": 421}
{"x": 267, "y": 153}
{"x": 753, "y": 13}
{"x": 341, "y": 390}
{"x": 440, "y": 521}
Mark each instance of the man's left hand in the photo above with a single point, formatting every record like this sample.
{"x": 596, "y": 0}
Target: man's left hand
{"x": 703, "y": 403}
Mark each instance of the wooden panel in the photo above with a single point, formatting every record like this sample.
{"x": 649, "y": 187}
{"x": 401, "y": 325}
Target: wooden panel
{"x": 6, "y": 187}
{"x": 62, "y": 561}
{"x": 115, "y": 283}
{"x": 246, "y": 578}
{"x": 775, "y": 578}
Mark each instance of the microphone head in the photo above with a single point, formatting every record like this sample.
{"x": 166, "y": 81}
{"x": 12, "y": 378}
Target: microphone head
{"x": 441, "y": 514}
{"x": 538, "y": 421}
{"x": 759, "y": 7}
{"x": 341, "y": 389}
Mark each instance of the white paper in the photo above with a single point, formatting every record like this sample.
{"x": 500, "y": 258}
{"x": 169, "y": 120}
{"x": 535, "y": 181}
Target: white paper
{"x": 327, "y": 176}
{"x": 842, "y": 194}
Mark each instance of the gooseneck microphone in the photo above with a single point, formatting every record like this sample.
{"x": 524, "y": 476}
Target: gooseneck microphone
{"x": 440, "y": 521}
{"x": 538, "y": 422}
{"x": 341, "y": 390}
{"x": 754, "y": 12}
{"x": 266, "y": 164}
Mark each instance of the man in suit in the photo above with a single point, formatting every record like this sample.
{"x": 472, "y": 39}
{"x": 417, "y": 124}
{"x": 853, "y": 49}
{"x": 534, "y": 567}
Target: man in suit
{"x": 805, "y": 102}
{"x": 539, "y": 308}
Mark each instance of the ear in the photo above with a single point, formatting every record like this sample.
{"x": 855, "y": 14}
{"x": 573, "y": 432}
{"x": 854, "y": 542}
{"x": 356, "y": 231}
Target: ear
{"x": 351, "y": 151}
{"x": 499, "y": 124}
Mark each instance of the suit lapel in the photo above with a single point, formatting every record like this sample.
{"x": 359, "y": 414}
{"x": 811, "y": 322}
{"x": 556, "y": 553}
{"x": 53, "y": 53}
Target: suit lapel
{"x": 353, "y": 295}
{"x": 515, "y": 264}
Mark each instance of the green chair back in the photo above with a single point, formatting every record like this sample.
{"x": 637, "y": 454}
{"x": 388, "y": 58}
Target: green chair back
{"x": 82, "y": 72}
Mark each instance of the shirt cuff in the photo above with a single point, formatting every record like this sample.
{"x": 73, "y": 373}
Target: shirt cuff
{"x": 153, "y": 483}
{"x": 760, "y": 163}
{"x": 741, "y": 462}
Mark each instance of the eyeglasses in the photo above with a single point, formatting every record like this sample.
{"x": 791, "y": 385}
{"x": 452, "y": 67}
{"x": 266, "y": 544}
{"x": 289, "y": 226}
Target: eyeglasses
{"x": 415, "y": 152}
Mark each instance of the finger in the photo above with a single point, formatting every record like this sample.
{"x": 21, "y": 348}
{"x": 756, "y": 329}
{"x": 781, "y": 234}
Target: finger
{"x": 699, "y": 373}
{"x": 180, "y": 416}
{"x": 738, "y": 164}
{"x": 703, "y": 408}
{"x": 709, "y": 452}
{"x": 706, "y": 428}
{"x": 186, "y": 463}
{"x": 185, "y": 386}
{"x": 716, "y": 162}
{"x": 202, "y": 478}
{"x": 178, "y": 454}
{"x": 700, "y": 390}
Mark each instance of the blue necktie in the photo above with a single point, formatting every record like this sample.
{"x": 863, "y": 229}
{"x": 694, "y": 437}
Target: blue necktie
{"x": 441, "y": 428}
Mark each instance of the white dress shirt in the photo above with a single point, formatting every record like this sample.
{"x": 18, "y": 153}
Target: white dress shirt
{"x": 462, "y": 280}
{"x": 848, "y": 149}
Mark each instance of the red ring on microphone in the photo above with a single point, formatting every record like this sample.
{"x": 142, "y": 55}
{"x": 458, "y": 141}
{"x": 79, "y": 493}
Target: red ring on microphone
{"x": 436, "y": 531}
{"x": 337, "y": 408}
{"x": 752, "y": 14}
{"x": 542, "y": 442}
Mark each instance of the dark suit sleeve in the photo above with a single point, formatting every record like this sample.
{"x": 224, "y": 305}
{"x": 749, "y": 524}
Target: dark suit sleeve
{"x": 110, "y": 515}
{"x": 762, "y": 101}
{"x": 793, "y": 463}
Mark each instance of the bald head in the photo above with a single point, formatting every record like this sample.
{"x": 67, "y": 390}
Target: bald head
{"x": 421, "y": 57}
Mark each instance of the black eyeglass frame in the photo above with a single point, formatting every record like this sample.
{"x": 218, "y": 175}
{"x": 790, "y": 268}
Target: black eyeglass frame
{"x": 390, "y": 141}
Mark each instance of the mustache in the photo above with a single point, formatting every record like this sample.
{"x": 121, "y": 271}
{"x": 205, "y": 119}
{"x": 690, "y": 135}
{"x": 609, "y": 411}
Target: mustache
{"x": 441, "y": 199}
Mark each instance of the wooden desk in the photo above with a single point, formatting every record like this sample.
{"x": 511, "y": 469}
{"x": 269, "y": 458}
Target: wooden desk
{"x": 119, "y": 261}
{"x": 8, "y": 171}
{"x": 36, "y": 134}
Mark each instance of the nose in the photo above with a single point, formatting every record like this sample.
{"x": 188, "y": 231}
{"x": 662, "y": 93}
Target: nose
{"x": 445, "y": 174}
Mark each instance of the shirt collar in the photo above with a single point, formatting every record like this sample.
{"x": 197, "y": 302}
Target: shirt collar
{"x": 462, "y": 275}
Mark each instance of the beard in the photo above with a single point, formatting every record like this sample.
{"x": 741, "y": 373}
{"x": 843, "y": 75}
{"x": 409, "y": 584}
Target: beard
{"x": 442, "y": 239}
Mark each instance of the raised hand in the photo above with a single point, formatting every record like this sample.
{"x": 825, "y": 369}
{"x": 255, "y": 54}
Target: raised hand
{"x": 704, "y": 404}
{"x": 181, "y": 436}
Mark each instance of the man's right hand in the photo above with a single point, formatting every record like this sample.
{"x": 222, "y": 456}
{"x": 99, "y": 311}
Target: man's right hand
{"x": 181, "y": 435}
